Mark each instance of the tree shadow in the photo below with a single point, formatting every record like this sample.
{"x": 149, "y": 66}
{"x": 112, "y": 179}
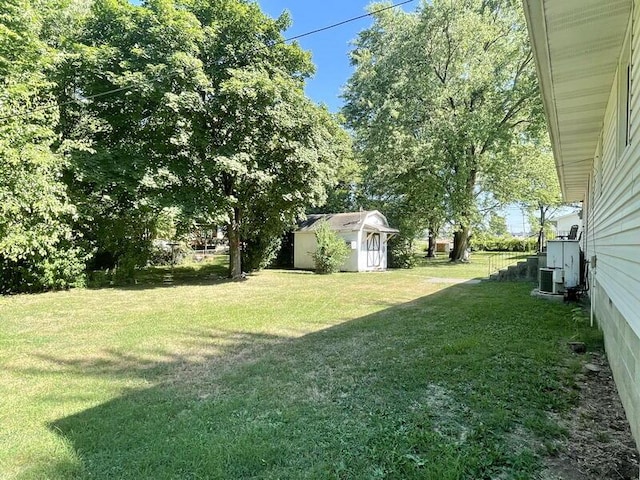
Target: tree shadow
{"x": 349, "y": 401}
{"x": 159, "y": 276}
{"x": 441, "y": 262}
{"x": 206, "y": 347}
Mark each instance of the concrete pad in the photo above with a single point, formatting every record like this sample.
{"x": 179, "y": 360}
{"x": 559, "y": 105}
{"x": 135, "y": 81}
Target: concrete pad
{"x": 547, "y": 296}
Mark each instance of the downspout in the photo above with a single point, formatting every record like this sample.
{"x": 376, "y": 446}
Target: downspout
{"x": 593, "y": 298}
{"x": 593, "y": 267}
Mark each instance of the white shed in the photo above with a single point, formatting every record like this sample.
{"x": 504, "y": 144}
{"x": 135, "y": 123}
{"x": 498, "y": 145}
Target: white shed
{"x": 366, "y": 234}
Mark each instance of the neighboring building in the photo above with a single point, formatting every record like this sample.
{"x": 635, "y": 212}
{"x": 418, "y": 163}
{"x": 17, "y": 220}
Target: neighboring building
{"x": 563, "y": 224}
{"x": 588, "y": 58}
{"x": 366, "y": 234}
{"x": 444, "y": 245}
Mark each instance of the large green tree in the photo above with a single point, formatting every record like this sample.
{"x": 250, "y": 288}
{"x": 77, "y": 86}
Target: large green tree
{"x": 38, "y": 249}
{"x": 402, "y": 177}
{"x": 216, "y": 121}
{"x": 444, "y": 94}
{"x": 535, "y": 184}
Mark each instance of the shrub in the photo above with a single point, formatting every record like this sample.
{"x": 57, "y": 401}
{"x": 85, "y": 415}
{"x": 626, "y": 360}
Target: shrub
{"x": 259, "y": 252}
{"x": 502, "y": 243}
{"x": 161, "y": 253}
{"x": 331, "y": 250}
{"x": 401, "y": 254}
{"x": 59, "y": 268}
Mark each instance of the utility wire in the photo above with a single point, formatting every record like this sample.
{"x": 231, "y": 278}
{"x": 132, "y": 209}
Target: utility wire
{"x": 279, "y": 42}
{"x": 353, "y": 19}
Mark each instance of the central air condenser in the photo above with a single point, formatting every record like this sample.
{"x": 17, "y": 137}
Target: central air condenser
{"x": 551, "y": 280}
{"x": 546, "y": 280}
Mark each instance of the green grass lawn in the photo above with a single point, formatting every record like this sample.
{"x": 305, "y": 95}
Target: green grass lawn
{"x": 286, "y": 375}
{"x": 478, "y": 266}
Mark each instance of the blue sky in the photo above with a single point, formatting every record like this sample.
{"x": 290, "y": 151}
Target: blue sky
{"x": 330, "y": 49}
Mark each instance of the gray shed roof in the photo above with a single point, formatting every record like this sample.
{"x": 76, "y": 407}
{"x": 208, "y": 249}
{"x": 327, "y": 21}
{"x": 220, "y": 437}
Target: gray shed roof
{"x": 344, "y": 222}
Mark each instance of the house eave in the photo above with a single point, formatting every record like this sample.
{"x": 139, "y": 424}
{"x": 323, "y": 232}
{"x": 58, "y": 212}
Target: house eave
{"x": 576, "y": 46}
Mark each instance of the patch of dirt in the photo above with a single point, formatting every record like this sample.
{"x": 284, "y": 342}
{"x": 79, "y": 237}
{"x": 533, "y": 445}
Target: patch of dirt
{"x": 445, "y": 414}
{"x": 599, "y": 443}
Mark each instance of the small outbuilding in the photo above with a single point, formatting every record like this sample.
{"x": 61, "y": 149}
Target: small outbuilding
{"x": 366, "y": 234}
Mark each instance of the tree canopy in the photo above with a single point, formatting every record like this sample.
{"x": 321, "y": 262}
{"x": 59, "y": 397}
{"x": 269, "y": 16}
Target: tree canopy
{"x": 536, "y": 183}
{"x": 216, "y": 122}
{"x": 437, "y": 102}
{"x": 37, "y": 244}
{"x": 188, "y": 106}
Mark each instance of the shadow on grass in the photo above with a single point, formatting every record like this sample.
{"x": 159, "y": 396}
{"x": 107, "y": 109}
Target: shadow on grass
{"x": 445, "y": 262}
{"x": 206, "y": 348}
{"x": 454, "y": 385}
{"x": 154, "y": 277}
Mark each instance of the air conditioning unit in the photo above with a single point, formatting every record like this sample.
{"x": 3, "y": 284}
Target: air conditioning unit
{"x": 558, "y": 275}
{"x": 546, "y": 280}
{"x": 551, "y": 280}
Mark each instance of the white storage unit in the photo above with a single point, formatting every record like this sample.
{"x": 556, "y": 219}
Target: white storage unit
{"x": 564, "y": 257}
{"x": 365, "y": 233}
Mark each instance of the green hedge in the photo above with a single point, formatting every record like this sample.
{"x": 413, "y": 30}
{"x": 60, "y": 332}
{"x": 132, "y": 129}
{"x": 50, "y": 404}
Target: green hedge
{"x": 493, "y": 243}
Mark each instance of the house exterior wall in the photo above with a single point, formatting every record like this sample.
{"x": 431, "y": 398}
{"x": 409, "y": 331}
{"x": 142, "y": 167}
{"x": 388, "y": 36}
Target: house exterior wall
{"x": 612, "y": 227}
{"x": 622, "y": 345}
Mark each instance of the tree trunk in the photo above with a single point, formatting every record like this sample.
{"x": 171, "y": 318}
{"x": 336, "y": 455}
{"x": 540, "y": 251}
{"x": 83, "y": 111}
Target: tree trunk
{"x": 431, "y": 249}
{"x": 541, "y": 232}
{"x": 461, "y": 236}
{"x": 460, "y": 243}
{"x": 235, "y": 255}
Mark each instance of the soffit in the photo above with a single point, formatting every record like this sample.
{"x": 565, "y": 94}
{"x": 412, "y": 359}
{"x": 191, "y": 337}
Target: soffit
{"x": 576, "y": 45}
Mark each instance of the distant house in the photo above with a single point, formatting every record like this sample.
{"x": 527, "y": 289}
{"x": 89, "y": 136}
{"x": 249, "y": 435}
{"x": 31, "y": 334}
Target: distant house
{"x": 366, "y": 234}
{"x": 563, "y": 224}
{"x": 588, "y": 57}
{"x": 444, "y": 245}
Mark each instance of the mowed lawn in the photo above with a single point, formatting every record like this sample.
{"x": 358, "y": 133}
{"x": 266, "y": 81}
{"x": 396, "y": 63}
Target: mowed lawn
{"x": 286, "y": 375}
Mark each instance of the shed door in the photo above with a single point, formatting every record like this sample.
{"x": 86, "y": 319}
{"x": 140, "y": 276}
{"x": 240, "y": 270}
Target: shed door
{"x": 373, "y": 250}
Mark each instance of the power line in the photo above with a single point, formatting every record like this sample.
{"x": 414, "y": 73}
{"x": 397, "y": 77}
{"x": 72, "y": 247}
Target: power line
{"x": 353, "y": 19}
{"x": 170, "y": 75}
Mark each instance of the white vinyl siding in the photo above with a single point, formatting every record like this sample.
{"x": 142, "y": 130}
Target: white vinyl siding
{"x": 613, "y": 214}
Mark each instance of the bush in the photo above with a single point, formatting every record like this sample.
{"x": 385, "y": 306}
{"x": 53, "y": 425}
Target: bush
{"x": 60, "y": 268}
{"x": 400, "y": 251}
{"x": 259, "y": 252}
{"x": 331, "y": 250}
{"x": 503, "y": 243}
{"x": 162, "y": 254}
